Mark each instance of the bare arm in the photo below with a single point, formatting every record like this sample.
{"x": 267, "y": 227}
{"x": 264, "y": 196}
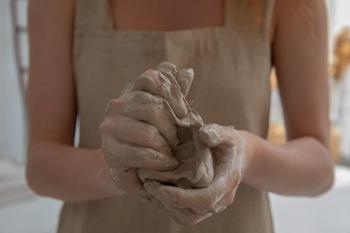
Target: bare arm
{"x": 55, "y": 168}
{"x": 303, "y": 165}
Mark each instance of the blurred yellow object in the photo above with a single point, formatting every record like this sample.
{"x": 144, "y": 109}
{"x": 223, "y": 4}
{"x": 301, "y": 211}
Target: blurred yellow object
{"x": 335, "y": 143}
{"x": 277, "y": 135}
{"x": 341, "y": 54}
{"x": 273, "y": 79}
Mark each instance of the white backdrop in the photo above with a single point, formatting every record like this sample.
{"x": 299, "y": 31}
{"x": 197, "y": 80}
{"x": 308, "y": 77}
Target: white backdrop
{"x": 340, "y": 18}
{"x": 12, "y": 143}
{"x": 339, "y": 14}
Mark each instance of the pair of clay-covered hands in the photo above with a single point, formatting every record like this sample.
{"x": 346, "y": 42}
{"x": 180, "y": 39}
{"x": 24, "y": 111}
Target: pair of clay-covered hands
{"x": 155, "y": 145}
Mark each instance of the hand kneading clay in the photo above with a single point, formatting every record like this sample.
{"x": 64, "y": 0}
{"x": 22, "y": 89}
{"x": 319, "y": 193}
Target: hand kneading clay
{"x": 151, "y": 133}
{"x": 156, "y": 145}
{"x": 190, "y": 206}
{"x": 195, "y": 168}
{"x": 192, "y": 192}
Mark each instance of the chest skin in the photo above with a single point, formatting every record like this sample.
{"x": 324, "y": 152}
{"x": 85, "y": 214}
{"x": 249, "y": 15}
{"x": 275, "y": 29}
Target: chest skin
{"x": 166, "y": 15}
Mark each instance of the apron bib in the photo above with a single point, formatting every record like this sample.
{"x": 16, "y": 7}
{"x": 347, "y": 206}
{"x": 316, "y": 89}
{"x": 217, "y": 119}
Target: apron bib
{"x": 232, "y": 64}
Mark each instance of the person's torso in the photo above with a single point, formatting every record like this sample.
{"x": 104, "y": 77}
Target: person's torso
{"x": 231, "y": 87}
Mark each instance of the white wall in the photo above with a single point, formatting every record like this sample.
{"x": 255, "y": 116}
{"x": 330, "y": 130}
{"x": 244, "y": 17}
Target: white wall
{"x": 12, "y": 143}
{"x": 340, "y": 15}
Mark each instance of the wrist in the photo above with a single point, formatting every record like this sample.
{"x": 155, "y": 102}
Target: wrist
{"x": 104, "y": 178}
{"x": 251, "y": 146}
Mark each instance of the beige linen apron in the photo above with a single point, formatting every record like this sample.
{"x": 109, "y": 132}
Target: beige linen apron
{"x": 231, "y": 87}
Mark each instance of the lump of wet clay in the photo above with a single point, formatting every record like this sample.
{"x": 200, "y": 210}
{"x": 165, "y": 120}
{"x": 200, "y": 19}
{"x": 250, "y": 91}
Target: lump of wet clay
{"x": 195, "y": 168}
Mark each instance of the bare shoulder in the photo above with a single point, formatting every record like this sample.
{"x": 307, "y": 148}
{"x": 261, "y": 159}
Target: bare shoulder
{"x": 298, "y": 17}
{"x": 300, "y": 56}
{"x": 50, "y": 16}
{"x": 293, "y": 11}
{"x": 42, "y": 6}
{"x": 50, "y": 91}
{"x": 299, "y": 5}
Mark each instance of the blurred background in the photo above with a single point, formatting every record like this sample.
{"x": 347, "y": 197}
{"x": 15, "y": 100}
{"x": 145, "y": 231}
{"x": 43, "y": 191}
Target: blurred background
{"x": 23, "y": 212}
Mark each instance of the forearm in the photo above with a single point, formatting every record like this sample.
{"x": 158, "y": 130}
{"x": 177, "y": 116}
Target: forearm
{"x": 68, "y": 173}
{"x": 301, "y": 167}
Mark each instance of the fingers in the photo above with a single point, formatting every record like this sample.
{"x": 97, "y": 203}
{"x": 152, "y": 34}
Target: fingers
{"x": 189, "y": 174}
{"x": 183, "y": 216}
{"x": 184, "y": 79}
{"x": 204, "y": 162}
{"x": 201, "y": 200}
{"x": 166, "y": 176}
{"x": 225, "y": 202}
{"x": 178, "y": 197}
{"x": 205, "y": 200}
{"x": 179, "y": 176}
{"x": 142, "y": 97}
{"x": 151, "y": 109}
{"x": 157, "y": 83}
{"x": 134, "y": 132}
{"x": 124, "y": 156}
{"x": 156, "y": 116}
{"x": 169, "y": 71}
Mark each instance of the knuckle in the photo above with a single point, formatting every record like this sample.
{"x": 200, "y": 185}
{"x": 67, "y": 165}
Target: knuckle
{"x": 142, "y": 79}
{"x": 114, "y": 105}
{"x": 150, "y": 71}
{"x": 129, "y": 97}
{"x": 155, "y": 100}
{"x": 138, "y": 95}
{"x": 104, "y": 127}
{"x": 150, "y": 155}
{"x": 147, "y": 77}
{"x": 151, "y": 131}
{"x": 141, "y": 97}
{"x": 156, "y": 112}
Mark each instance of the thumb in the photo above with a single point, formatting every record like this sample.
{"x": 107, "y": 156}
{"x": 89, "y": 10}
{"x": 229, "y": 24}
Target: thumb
{"x": 214, "y": 135}
{"x": 211, "y": 134}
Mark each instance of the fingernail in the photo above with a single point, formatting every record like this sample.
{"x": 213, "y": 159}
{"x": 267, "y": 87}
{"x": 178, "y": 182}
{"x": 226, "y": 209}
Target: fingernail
{"x": 189, "y": 72}
{"x": 151, "y": 72}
